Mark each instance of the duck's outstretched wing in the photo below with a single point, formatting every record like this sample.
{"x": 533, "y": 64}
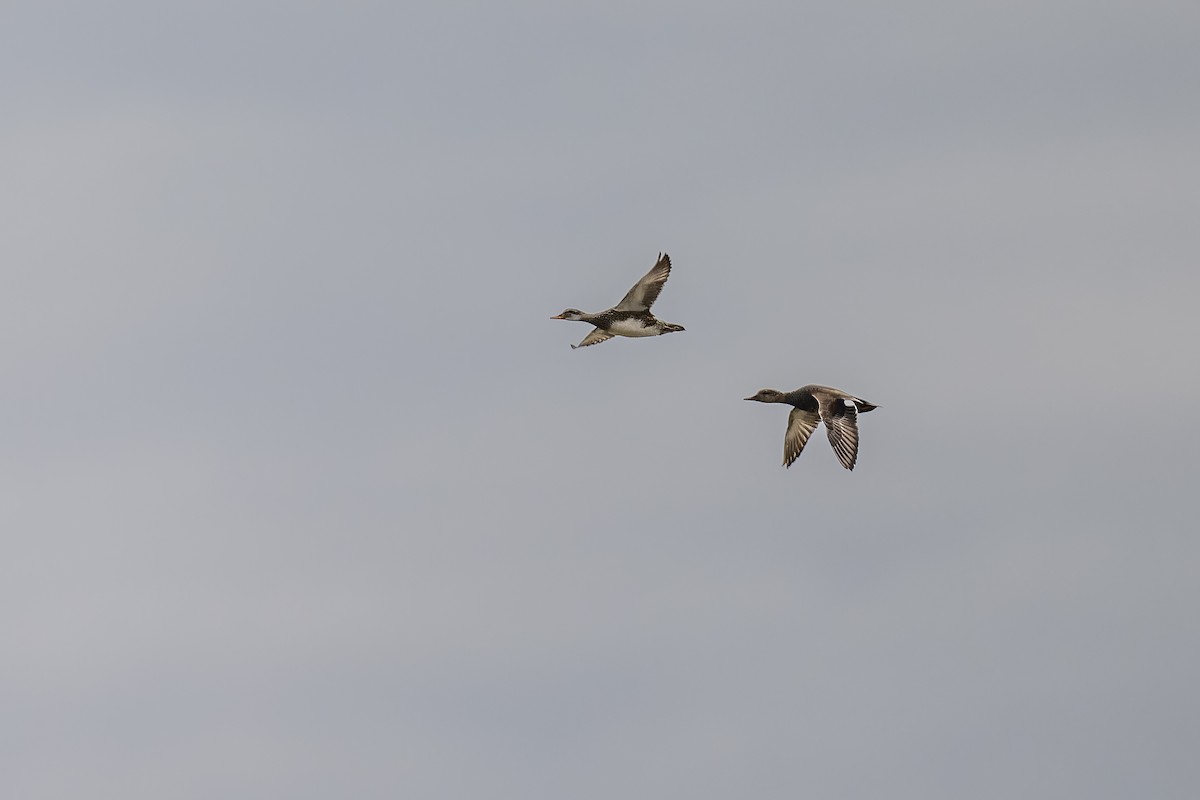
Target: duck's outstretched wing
{"x": 801, "y": 424}
{"x": 841, "y": 423}
{"x": 595, "y": 337}
{"x": 646, "y": 291}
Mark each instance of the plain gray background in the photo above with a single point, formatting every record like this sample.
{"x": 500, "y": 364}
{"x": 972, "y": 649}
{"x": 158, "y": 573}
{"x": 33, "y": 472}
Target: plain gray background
{"x": 306, "y": 497}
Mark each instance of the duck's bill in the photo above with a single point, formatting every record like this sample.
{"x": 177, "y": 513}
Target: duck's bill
{"x": 558, "y": 316}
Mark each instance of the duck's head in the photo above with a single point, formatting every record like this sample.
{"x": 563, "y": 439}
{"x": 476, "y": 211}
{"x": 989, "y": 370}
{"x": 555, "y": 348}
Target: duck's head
{"x": 767, "y": 396}
{"x": 671, "y": 327}
{"x": 573, "y": 314}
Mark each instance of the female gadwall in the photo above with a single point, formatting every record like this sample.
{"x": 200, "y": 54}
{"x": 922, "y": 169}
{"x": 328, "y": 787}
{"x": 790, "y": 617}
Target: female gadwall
{"x": 631, "y": 316}
{"x": 812, "y": 404}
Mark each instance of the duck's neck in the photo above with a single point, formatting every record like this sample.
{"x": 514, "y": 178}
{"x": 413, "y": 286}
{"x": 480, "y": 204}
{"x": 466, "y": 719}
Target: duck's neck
{"x": 800, "y": 399}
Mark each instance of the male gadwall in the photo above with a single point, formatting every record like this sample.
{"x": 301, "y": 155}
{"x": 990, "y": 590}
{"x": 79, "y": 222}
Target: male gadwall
{"x": 812, "y": 404}
{"x": 631, "y": 316}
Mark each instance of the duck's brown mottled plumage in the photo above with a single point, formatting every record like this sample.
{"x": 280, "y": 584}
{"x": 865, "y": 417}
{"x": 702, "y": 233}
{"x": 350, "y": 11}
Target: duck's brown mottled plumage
{"x": 630, "y": 317}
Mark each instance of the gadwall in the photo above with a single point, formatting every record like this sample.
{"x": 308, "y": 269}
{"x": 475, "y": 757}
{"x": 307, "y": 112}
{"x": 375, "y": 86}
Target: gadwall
{"x": 812, "y": 404}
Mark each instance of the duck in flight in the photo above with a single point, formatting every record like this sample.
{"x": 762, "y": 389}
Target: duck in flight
{"x": 631, "y": 316}
{"x": 813, "y": 404}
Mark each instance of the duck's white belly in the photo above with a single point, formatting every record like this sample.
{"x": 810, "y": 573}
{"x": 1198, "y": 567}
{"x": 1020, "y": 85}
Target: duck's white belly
{"x": 632, "y": 327}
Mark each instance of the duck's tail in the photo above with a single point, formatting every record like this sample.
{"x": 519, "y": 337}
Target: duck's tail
{"x": 864, "y": 406}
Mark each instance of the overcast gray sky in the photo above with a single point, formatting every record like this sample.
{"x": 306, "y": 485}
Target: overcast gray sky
{"x": 305, "y": 496}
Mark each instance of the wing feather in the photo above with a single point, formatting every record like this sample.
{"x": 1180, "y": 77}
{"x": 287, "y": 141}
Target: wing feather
{"x": 841, "y": 424}
{"x": 801, "y": 424}
{"x": 597, "y": 336}
{"x": 646, "y": 291}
